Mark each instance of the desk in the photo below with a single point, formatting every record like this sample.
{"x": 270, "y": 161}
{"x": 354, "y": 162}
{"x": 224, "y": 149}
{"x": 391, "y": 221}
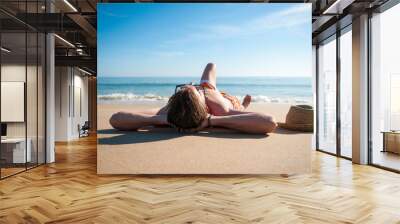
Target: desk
{"x": 13, "y": 150}
{"x": 391, "y": 141}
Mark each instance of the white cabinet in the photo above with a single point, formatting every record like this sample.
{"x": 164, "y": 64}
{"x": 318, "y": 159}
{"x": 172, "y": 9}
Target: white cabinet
{"x": 16, "y": 148}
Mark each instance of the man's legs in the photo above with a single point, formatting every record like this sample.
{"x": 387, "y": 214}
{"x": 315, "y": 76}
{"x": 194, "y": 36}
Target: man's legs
{"x": 210, "y": 74}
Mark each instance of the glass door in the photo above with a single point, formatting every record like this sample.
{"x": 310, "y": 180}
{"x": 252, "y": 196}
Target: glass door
{"x": 346, "y": 92}
{"x": 327, "y": 96}
{"x": 22, "y": 107}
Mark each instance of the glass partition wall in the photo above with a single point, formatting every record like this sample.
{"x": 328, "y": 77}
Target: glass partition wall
{"x": 334, "y": 94}
{"x": 327, "y": 95}
{"x": 334, "y": 90}
{"x": 385, "y": 89}
{"x": 346, "y": 95}
{"x": 22, "y": 98}
{"x": 13, "y": 87}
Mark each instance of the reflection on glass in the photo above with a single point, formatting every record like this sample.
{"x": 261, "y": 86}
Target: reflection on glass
{"x": 327, "y": 97}
{"x": 385, "y": 114}
{"x": 346, "y": 94}
{"x": 15, "y": 151}
{"x": 394, "y": 102}
{"x": 31, "y": 97}
{"x": 22, "y": 91}
{"x": 41, "y": 98}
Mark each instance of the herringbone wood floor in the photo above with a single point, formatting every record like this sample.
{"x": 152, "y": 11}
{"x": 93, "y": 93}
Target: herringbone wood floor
{"x": 69, "y": 191}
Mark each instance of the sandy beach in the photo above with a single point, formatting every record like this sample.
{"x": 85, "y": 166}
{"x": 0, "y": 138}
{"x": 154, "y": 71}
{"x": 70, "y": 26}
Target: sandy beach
{"x": 213, "y": 151}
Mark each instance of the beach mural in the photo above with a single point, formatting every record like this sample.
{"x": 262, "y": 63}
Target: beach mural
{"x": 177, "y": 81}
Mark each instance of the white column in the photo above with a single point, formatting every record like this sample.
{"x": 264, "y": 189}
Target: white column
{"x": 50, "y": 92}
{"x": 50, "y": 99}
{"x": 360, "y": 90}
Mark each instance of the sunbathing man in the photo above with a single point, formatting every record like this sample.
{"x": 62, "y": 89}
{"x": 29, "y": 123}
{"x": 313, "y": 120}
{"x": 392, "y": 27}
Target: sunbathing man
{"x": 194, "y": 108}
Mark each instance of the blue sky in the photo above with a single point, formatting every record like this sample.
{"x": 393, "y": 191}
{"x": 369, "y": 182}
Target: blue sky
{"x": 180, "y": 39}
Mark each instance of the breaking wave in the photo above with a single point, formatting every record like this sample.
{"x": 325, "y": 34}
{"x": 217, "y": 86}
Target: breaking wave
{"x": 130, "y": 97}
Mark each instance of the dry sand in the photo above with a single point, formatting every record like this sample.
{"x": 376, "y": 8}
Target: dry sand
{"x": 215, "y": 151}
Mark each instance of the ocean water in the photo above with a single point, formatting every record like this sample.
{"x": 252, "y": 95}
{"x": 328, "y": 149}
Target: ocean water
{"x": 262, "y": 89}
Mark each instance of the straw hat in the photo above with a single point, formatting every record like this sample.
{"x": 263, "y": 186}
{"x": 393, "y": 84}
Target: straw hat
{"x": 299, "y": 118}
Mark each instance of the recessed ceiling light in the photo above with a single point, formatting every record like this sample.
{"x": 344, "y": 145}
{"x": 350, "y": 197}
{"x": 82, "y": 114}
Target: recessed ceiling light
{"x": 5, "y": 50}
{"x": 64, "y": 40}
{"x": 84, "y": 71}
{"x": 70, "y": 5}
{"x": 338, "y": 6}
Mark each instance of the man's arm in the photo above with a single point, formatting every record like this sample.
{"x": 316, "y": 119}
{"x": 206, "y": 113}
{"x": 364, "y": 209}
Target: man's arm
{"x": 254, "y": 123}
{"x": 126, "y": 121}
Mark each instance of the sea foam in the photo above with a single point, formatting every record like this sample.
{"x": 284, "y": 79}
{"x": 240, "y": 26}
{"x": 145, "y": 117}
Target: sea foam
{"x": 132, "y": 98}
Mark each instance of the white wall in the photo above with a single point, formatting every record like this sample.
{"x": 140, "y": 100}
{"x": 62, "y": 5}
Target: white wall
{"x": 80, "y": 109}
{"x": 17, "y": 73}
{"x": 61, "y": 103}
{"x": 13, "y": 72}
{"x": 70, "y": 83}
